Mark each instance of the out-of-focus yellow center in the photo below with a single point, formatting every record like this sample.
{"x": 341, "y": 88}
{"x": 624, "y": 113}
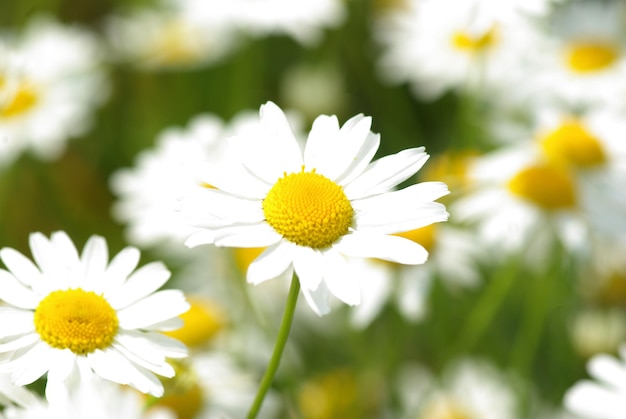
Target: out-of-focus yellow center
{"x": 548, "y": 187}
{"x": 20, "y": 101}
{"x": 244, "y": 256}
{"x": 451, "y": 168}
{"x": 175, "y": 44}
{"x": 183, "y": 394}
{"x": 330, "y": 396}
{"x": 446, "y": 409}
{"x": 426, "y": 236}
{"x": 589, "y": 57}
{"x": 308, "y": 209}
{"x": 81, "y": 321}
{"x": 202, "y": 322}
{"x": 612, "y": 291}
{"x": 572, "y": 144}
{"x": 473, "y": 43}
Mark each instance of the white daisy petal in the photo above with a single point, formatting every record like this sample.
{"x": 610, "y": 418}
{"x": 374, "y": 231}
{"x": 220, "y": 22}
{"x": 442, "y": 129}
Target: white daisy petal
{"x": 318, "y": 299}
{"x": 155, "y": 308}
{"x": 322, "y": 138}
{"x": 380, "y": 246}
{"x": 15, "y": 322}
{"x": 120, "y": 267}
{"x": 147, "y": 342}
{"x": 142, "y": 282}
{"x": 270, "y": 264}
{"x": 218, "y": 204}
{"x": 31, "y": 365}
{"x": 308, "y": 264}
{"x": 44, "y": 254}
{"x": 248, "y": 235}
{"x": 95, "y": 257}
{"x": 386, "y": 173}
{"x": 140, "y": 360}
{"x": 200, "y": 237}
{"x": 20, "y": 266}
{"x": 63, "y": 366}
{"x": 341, "y": 283}
{"x": 166, "y": 325}
{"x": 64, "y": 246}
{"x": 360, "y": 160}
{"x": 14, "y": 293}
{"x": 608, "y": 369}
{"x": 19, "y": 343}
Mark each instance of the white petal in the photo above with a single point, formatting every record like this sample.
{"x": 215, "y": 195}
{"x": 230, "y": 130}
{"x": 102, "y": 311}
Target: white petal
{"x": 224, "y": 207}
{"x": 120, "y": 267}
{"x": 386, "y": 173}
{"x": 142, "y": 282}
{"x": 154, "y": 347}
{"x": 62, "y": 367}
{"x": 246, "y": 235}
{"x": 360, "y": 160}
{"x": 321, "y": 141}
{"x": 153, "y": 309}
{"x": 49, "y": 262}
{"x": 13, "y": 292}
{"x": 380, "y": 246}
{"x": 270, "y": 264}
{"x": 32, "y": 364}
{"x": 15, "y": 322}
{"x": 309, "y": 266}
{"x": 375, "y": 283}
{"x": 200, "y": 237}
{"x": 20, "y": 266}
{"x": 141, "y": 360}
{"x": 19, "y": 343}
{"x": 594, "y": 401}
{"x": 318, "y": 299}
{"x": 608, "y": 369}
{"x": 95, "y": 257}
{"x": 339, "y": 279}
{"x": 66, "y": 249}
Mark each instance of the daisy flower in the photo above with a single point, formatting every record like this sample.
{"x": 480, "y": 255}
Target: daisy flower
{"x": 605, "y": 396}
{"x": 72, "y": 316}
{"x": 435, "y": 47}
{"x": 312, "y": 207}
{"x": 57, "y": 80}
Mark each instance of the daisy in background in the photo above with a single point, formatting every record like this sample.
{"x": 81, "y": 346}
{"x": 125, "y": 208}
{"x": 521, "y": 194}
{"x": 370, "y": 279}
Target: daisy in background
{"x": 50, "y": 85}
{"x": 581, "y": 60}
{"x": 452, "y": 259}
{"x": 468, "y": 389}
{"x": 436, "y": 47}
{"x": 165, "y": 38}
{"x": 604, "y": 397}
{"x": 563, "y": 184}
{"x": 72, "y": 316}
{"x": 312, "y": 208}
{"x": 303, "y": 21}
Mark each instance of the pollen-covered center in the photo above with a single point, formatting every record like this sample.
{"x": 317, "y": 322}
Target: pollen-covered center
{"x": 573, "y": 145}
{"x": 468, "y": 42}
{"x": 22, "y": 100}
{"x": 548, "y": 187}
{"x": 308, "y": 209}
{"x": 81, "y": 321}
{"x": 589, "y": 57}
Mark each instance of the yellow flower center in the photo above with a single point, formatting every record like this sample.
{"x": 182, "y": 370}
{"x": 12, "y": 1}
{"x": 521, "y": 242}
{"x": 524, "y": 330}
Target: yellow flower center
{"x": 332, "y": 395}
{"x": 468, "y": 42}
{"x": 201, "y": 322}
{"x": 183, "y": 393}
{"x": 424, "y": 236}
{"x": 548, "y": 187}
{"x": 571, "y": 144}
{"x": 81, "y": 321}
{"x": 589, "y": 57}
{"x": 308, "y": 209}
{"x": 23, "y": 99}
{"x": 446, "y": 409}
{"x": 244, "y": 256}
{"x": 176, "y": 44}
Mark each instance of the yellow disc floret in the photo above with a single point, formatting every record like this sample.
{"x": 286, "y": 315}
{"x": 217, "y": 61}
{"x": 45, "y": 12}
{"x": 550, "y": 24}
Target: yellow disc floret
{"x": 23, "y": 99}
{"x": 424, "y": 236}
{"x": 468, "y": 42}
{"x": 201, "y": 322}
{"x": 308, "y": 209}
{"x": 573, "y": 145}
{"x": 548, "y": 187}
{"x": 78, "y": 320}
{"x": 589, "y": 57}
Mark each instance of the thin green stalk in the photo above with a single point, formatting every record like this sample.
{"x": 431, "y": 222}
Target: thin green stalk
{"x": 281, "y": 340}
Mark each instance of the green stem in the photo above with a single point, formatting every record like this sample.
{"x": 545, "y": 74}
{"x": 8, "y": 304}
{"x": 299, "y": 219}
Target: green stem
{"x": 281, "y": 340}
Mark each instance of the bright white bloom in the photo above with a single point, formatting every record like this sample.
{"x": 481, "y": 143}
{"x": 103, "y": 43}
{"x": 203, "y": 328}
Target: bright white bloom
{"x": 563, "y": 184}
{"x": 10, "y": 394}
{"x": 435, "y": 47}
{"x": 167, "y": 38}
{"x": 604, "y": 398}
{"x": 302, "y": 20}
{"x": 71, "y": 315}
{"x": 583, "y": 60}
{"x": 452, "y": 257}
{"x": 55, "y": 78}
{"x": 313, "y": 207}
{"x": 467, "y": 389}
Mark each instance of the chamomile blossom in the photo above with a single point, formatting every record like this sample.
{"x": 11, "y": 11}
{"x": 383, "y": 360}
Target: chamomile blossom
{"x": 312, "y": 207}
{"x": 435, "y": 47}
{"x": 72, "y": 316}
{"x": 603, "y": 397}
{"x": 56, "y": 79}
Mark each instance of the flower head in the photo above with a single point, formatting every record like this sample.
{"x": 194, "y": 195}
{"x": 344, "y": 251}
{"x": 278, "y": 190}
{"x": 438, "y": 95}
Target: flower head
{"x": 71, "y": 316}
{"x": 312, "y": 207}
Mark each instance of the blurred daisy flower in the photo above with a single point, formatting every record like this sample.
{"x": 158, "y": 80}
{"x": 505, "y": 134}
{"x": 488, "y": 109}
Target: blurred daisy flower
{"x": 435, "y": 47}
{"x": 71, "y": 315}
{"x": 166, "y": 38}
{"x": 50, "y": 85}
{"x": 313, "y": 207}
{"x": 605, "y": 396}
{"x": 466, "y": 389}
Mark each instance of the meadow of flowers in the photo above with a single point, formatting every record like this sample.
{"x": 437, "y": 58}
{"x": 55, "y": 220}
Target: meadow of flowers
{"x": 313, "y": 209}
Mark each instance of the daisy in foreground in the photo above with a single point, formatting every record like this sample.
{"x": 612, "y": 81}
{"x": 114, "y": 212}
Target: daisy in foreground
{"x": 72, "y": 316}
{"x": 313, "y": 207}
